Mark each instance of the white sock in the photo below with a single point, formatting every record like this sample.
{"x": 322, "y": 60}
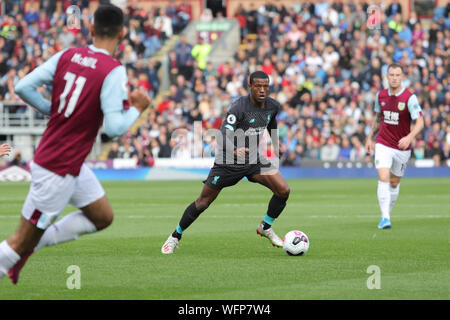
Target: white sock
{"x": 8, "y": 258}
{"x": 384, "y": 198}
{"x": 68, "y": 228}
{"x": 394, "y": 196}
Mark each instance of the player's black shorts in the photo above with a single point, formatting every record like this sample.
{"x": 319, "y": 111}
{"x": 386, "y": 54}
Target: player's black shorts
{"x": 222, "y": 176}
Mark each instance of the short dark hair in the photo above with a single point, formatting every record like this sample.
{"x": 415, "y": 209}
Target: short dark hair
{"x": 108, "y": 21}
{"x": 258, "y": 75}
{"x": 395, "y": 66}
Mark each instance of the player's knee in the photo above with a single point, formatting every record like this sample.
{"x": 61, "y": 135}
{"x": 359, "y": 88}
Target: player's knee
{"x": 202, "y": 203}
{"x": 105, "y": 221}
{"x": 394, "y": 183}
{"x": 283, "y": 192}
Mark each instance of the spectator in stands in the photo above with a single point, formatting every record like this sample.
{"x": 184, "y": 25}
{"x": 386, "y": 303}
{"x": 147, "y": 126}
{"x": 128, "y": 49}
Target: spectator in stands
{"x": 17, "y": 160}
{"x": 153, "y": 37}
{"x": 152, "y": 73}
{"x": 184, "y": 57}
{"x": 185, "y": 12}
{"x": 201, "y": 51}
{"x": 345, "y": 150}
{"x": 358, "y": 152}
{"x": 66, "y": 37}
{"x": 114, "y": 151}
{"x": 419, "y": 149}
{"x": 436, "y": 153}
{"x": 206, "y": 16}
{"x": 165, "y": 148}
{"x": 126, "y": 150}
{"x": 394, "y": 8}
{"x": 330, "y": 151}
{"x": 31, "y": 15}
{"x": 164, "y": 24}
{"x": 240, "y": 17}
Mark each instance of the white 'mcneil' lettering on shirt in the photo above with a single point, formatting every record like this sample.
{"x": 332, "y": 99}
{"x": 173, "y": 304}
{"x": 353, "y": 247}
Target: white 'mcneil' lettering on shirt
{"x": 84, "y": 61}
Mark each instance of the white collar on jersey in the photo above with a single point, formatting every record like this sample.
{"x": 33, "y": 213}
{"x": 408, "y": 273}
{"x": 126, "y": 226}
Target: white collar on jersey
{"x": 397, "y": 94}
{"x": 91, "y": 46}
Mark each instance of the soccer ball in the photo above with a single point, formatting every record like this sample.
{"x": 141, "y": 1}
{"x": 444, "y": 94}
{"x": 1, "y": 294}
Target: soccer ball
{"x": 295, "y": 243}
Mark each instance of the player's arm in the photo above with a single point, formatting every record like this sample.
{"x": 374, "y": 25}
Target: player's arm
{"x": 115, "y": 101}
{"x": 272, "y": 127}
{"x": 27, "y": 87}
{"x": 375, "y": 128}
{"x": 417, "y": 122}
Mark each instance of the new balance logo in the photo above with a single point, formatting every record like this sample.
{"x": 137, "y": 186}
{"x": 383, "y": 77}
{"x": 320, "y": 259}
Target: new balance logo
{"x": 215, "y": 179}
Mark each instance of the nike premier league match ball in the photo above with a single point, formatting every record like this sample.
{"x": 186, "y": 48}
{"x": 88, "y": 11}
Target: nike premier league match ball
{"x": 295, "y": 243}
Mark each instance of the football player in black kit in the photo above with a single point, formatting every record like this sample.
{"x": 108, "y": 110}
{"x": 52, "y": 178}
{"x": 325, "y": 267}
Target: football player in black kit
{"x": 237, "y": 157}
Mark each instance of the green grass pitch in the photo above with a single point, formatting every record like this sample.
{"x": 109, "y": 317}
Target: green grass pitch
{"x": 221, "y": 256}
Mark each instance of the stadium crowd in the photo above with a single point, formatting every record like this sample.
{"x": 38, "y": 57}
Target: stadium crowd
{"x": 325, "y": 61}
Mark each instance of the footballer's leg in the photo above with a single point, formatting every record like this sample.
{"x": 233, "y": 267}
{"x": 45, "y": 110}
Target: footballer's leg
{"x": 99, "y": 213}
{"x": 191, "y": 213}
{"x": 398, "y": 168}
{"x": 219, "y": 177}
{"x": 207, "y": 196}
{"x": 383, "y": 163}
{"x": 93, "y": 217}
{"x": 275, "y": 181}
{"x": 394, "y": 188}
{"x": 95, "y": 214}
{"x": 19, "y": 245}
{"x": 384, "y": 197}
{"x": 48, "y": 196}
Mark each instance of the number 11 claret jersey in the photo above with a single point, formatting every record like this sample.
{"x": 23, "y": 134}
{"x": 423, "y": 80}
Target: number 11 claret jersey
{"x": 76, "y": 113}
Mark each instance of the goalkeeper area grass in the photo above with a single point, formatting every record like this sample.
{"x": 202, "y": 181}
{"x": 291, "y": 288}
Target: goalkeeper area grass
{"x": 222, "y": 257}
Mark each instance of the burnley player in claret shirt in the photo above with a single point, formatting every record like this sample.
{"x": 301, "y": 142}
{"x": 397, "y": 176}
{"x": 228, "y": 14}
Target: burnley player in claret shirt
{"x": 397, "y": 122}
{"x": 88, "y": 87}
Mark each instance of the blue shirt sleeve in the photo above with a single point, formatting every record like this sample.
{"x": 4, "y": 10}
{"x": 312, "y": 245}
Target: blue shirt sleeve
{"x": 114, "y": 93}
{"x": 376, "y": 106}
{"x": 414, "y": 108}
{"x": 27, "y": 87}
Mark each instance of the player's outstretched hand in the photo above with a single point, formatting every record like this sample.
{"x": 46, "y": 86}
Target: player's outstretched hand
{"x": 139, "y": 99}
{"x": 5, "y": 149}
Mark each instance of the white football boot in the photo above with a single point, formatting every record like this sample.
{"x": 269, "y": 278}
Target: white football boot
{"x": 170, "y": 245}
{"x": 270, "y": 234}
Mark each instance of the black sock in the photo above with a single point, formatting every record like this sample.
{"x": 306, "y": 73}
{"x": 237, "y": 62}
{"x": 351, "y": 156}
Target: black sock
{"x": 266, "y": 225}
{"x": 177, "y": 235}
{"x": 276, "y": 206}
{"x": 190, "y": 215}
